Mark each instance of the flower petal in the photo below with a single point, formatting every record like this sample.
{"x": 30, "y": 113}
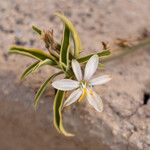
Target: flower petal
{"x": 95, "y": 100}
{"x": 77, "y": 70}
{"x": 100, "y": 80}
{"x": 73, "y": 97}
{"x": 91, "y": 67}
{"x": 65, "y": 84}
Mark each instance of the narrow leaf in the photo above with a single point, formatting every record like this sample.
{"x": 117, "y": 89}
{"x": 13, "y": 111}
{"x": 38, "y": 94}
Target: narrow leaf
{"x": 28, "y": 70}
{"x": 57, "y": 113}
{"x": 100, "y": 54}
{"x": 64, "y": 51}
{"x": 76, "y": 39}
{"x": 37, "y": 30}
{"x": 43, "y": 87}
{"x": 42, "y": 63}
{"x": 31, "y": 52}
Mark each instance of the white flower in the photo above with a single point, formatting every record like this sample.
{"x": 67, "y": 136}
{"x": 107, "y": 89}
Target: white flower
{"x": 83, "y": 86}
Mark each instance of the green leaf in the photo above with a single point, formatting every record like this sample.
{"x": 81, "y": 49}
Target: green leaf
{"x": 100, "y": 54}
{"x": 43, "y": 87}
{"x": 37, "y": 30}
{"x": 76, "y": 39}
{"x": 35, "y": 66}
{"x": 42, "y": 63}
{"x": 57, "y": 107}
{"x": 31, "y": 52}
{"x": 64, "y": 51}
{"x": 28, "y": 70}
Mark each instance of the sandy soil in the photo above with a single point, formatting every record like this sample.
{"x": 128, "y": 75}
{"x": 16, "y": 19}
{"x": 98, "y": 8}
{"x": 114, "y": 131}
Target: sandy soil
{"x": 125, "y": 122}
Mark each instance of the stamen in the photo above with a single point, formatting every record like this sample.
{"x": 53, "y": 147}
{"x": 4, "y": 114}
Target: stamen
{"x": 83, "y": 94}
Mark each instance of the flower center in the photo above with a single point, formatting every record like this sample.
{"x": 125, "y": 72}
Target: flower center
{"x": 84, "y": 84}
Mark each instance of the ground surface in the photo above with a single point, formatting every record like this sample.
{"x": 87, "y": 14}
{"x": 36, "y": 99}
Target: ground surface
{"x": 125, "y": 122}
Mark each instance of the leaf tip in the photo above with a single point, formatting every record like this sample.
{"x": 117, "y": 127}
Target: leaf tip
{"x": 35, "y": 106}
{"x": 21, "y": 78}
{"x": 36, "y": 29}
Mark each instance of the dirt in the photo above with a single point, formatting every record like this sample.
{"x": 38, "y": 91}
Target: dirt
{"x": 124, "y": 123}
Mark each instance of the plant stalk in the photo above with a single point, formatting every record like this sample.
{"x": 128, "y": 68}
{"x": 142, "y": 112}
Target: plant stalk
{"x": 125, "y": 51}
